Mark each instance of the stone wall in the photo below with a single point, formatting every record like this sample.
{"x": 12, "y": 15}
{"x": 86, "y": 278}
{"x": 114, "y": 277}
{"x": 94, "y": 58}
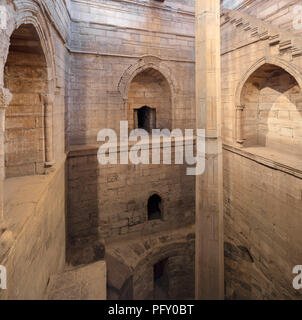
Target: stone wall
{"x": 101, "y": 60}
{"x": 91, "y": 58}
{"x": 131, "y": 266}
{"x": 32, "y": 233}
{"x": 111, "y": 43}
{"x": 262, "y": 184}
{"x": 111, "y": 201}
{"x": 262, "y": 230}
{"x": 125, "y": 56}
{"x": 35, "y": 214}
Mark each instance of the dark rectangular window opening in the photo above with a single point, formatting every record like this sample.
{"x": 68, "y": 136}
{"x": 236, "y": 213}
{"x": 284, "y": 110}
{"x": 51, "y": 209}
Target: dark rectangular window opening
{"x": 145, "y": 118}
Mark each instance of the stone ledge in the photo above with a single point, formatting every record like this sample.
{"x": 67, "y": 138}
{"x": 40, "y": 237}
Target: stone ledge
{"x": 88, "y": 150}
{"x": 22, "y": 195}
{"x": 271, "y": 158}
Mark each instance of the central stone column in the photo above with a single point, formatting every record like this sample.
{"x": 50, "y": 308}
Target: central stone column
{"x": 209, "y": 186}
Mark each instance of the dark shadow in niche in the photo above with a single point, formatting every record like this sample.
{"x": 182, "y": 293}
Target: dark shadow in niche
{"x": 154, "y": 207}
{"x": 85, "y": 244}
{"x": 146, "y": 118}
{"x": 161, "y": 280}
{"x": 125, "y": 293}
{"x": 25, "y": 75}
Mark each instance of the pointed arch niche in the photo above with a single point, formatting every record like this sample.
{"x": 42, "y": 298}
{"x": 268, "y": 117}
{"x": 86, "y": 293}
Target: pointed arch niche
{"x": 149, "y": 83}
{"x": 150, "y": 89}
{"x": 28, "y": 119}
{"x": 269, "y": 111}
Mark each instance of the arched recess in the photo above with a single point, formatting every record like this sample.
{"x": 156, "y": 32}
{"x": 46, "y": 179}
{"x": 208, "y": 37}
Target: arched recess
{"x": 29, "y": 12}
{"x": 130, "y": 276}
{"x": 145, "y": 75}
{"x": 292, "y": 70}
{"x": 178, "y": 258}
{"x": 29, "y": 75}
{"x": 268, "y": 111}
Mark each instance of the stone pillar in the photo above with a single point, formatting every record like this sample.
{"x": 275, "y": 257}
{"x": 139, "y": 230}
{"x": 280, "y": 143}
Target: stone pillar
{"x": 239, "y": 124}
{"x": 48, "y": 102}
{"x": 209, "y": 186}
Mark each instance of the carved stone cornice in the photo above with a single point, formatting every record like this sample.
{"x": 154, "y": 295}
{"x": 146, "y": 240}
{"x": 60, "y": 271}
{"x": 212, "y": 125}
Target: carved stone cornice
{"x": 259, "y": 30}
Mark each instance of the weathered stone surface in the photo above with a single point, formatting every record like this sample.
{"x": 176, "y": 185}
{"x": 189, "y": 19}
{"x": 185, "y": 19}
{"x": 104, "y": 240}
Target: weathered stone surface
{"x": 262, "y": 166}
{"x": 35, "y": 215}
{"x": 73, "y": 68}
{"x": 83, "y": 283}
{"x": 131, "y": 266}
{"x": 111, "y": 207}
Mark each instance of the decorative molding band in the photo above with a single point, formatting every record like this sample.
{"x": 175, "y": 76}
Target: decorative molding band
{"x": 136, "y": 3}
{"x": 106, "y": 25}
{"x": 96, "y": 53}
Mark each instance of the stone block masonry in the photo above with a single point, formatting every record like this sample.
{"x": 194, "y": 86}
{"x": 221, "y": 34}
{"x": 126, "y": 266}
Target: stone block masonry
{"x": 262, "y": 230}
{"x": 112, "y": 200}
{"x": 69, "y": 69}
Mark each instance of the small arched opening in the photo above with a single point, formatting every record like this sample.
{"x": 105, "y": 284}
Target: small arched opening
{"x": 154, "y": 207}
